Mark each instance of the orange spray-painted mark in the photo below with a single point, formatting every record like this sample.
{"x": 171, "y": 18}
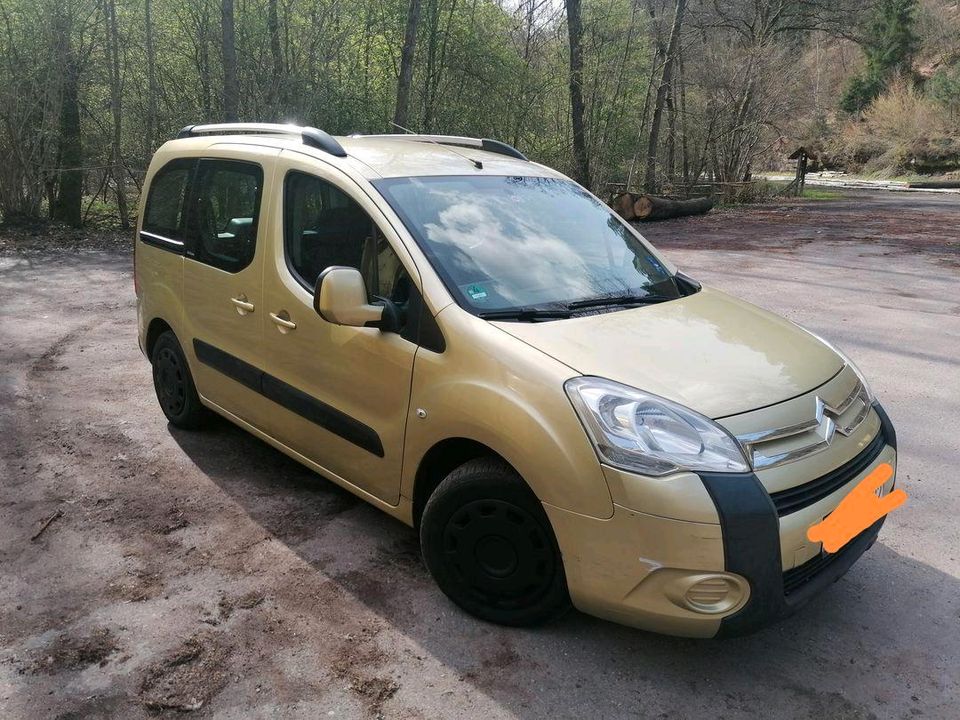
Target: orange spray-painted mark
{"x": 860, "y": 509}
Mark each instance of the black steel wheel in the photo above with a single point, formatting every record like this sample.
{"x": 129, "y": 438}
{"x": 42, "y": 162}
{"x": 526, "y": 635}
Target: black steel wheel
{"x": 173, "y": 383}
{"x": 489, "y": 545}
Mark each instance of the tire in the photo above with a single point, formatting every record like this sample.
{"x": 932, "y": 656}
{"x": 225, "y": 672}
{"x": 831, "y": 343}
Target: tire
{"x": 489, "y": 546}
{"x": 173, "y": 383}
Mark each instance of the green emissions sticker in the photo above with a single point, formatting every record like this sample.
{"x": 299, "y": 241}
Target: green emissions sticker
{"x": 477, "y": 292}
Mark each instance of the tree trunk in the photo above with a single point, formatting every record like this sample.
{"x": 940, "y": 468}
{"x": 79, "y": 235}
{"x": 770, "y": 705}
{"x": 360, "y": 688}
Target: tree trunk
{"x": 113, "y": 63}
{"x": 643, "y": 120}
{"x": 650, "y": 207}
{"x": 407, "y": 54}
{"x": 650, "y": 179}
{"x": 69, "y": 198}
{"x": 151, "y": 78}
{"x": 684, "y": 147}
{"x": 623, "y": 205}
{"x": 231, "y": 88}
{"x": 671, "y": 137}
{"x": 575, "y": 36}
{"x": 433, "y": 25}
{"x": 631, "y": 206}
{"x": 277, "y": 94}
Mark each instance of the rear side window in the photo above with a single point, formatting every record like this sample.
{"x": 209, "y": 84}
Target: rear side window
{"x": 323, "y": 227}
{"x": 224, "y": 212}
{"x": 163, "y": 217}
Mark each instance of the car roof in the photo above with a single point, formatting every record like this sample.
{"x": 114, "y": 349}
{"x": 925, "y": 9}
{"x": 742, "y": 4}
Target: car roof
{"x": 396, "y": 157}
{"x": 376, "y": 156}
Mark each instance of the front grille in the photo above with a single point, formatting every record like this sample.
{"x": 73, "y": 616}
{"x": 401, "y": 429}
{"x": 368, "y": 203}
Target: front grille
{"x": 797, "y": 577}
{"x": 797, "y": 498}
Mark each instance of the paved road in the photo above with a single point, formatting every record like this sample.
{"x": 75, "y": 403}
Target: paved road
{"x": 207, "y": 571}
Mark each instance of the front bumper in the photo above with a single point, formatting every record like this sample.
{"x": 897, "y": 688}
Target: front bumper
{"x": 752, "y": 549}
{"x": 633, "y": 568}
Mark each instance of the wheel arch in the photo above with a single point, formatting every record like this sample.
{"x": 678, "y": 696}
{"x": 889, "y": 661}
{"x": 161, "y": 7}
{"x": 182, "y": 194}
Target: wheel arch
{"x": 439, "y": 461}
{"x": 155, "y": 329}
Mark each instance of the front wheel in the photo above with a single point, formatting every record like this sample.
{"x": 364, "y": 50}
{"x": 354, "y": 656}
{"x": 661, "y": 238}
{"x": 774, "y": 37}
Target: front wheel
{"x": 489, "y": 545}
{"x": 173, "y": 383}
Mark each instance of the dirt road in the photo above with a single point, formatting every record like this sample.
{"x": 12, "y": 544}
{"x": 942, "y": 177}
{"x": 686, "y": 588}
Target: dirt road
{"x": 208, "y": 573}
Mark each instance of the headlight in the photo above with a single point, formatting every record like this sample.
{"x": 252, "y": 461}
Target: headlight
{"x": 643, "y": 433}
{"x": 847, "y": 361}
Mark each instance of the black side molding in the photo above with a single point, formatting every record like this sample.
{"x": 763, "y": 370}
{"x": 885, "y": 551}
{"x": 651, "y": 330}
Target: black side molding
{"x": 231, "y": 366}
{"x": 289, "y": 397}
{"x": 327, "y": 417}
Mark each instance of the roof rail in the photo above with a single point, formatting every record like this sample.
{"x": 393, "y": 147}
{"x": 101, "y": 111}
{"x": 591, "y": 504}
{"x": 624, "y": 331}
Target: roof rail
{"x": 311, "y": 136}
{"x": 494, "y": 146}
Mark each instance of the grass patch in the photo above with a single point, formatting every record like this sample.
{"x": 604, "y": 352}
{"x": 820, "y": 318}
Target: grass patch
{"x": 819, "y": 193}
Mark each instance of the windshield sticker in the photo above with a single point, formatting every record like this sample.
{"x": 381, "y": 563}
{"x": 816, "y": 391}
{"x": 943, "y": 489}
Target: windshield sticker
{"x": 477, "y": 293}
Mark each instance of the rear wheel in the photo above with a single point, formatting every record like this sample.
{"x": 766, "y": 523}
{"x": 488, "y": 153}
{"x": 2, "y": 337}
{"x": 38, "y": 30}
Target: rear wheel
{"x": 173, "y": 383}
{"x": 489, "y": 545}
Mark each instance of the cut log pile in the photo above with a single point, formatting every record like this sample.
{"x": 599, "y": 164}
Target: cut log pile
{"x": 632, "y": 206}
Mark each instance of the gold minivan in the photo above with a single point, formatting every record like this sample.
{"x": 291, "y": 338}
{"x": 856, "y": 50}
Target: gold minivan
{"x": 478, "y": 346}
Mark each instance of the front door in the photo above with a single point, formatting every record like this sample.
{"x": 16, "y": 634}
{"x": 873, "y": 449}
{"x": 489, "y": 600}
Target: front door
{"x": 222, "y": 284}
{"x": 343, "y": 392}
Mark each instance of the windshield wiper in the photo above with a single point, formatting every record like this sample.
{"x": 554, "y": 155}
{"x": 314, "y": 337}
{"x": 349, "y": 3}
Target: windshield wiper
{"x": 528, "y": 313}
{"x": 619, "y": 300}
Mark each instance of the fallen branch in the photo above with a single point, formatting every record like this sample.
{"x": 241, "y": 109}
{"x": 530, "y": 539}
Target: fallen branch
{"x": 47, "y": 523}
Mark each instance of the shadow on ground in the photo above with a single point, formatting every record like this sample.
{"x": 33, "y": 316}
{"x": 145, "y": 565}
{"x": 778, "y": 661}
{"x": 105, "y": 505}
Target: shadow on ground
{"x": 868, "y": 643}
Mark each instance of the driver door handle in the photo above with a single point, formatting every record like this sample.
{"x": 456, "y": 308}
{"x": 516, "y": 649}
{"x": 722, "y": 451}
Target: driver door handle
{"x": 283, "y": 322}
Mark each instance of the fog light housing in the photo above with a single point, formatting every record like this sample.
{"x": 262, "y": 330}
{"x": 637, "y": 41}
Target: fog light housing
{"x": 708, "y": 594}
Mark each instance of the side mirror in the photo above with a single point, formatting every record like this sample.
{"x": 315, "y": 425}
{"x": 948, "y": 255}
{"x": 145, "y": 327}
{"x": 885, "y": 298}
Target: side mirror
{"x": 340, "y": 297}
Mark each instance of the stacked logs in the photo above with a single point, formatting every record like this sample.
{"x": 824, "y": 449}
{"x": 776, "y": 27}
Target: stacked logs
{"x": 631, "y": 206}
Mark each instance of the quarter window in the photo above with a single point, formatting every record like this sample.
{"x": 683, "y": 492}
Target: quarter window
{"x": 164, "y": 212}
{"x": 323, "y": 226}
{"x": 225, "y": 212}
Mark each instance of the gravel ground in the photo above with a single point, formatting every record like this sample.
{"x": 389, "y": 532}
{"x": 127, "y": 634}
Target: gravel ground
{"x": 206, "y": 573}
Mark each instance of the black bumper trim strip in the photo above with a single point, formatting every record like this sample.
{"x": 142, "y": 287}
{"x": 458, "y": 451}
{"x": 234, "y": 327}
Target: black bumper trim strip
{"x": 889, "y": 432}
{"x": 289, "y": 397}
{"x": 751, "y": 547}
{"x": 796, "y": 580}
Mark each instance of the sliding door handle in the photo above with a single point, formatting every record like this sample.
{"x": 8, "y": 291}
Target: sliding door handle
{"x": 283, "y": 321}
{"x": 243, "y": 305}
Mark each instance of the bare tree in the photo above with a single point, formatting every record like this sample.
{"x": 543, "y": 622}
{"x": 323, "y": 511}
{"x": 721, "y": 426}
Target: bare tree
{"x": 575, "y": 36}
{"x": 66, "y": 206}
{"x": 277, "y": 94}
{"x": 231, "y": 88}
{"x": 151, "y": 75}
{"x": 405, "y": 80}
{"x": 650, "y": 178}
{"x": 112, "y": 47}
{"x": 436, "y": 59}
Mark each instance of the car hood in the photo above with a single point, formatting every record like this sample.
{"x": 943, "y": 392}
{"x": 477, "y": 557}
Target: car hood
{"x": 709, "y": 351}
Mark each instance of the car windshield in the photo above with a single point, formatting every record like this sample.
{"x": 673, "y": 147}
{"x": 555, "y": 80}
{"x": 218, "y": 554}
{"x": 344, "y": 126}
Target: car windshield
{"x": 526, "y": 243}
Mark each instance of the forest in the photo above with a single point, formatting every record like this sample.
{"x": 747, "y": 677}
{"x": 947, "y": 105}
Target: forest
{"x": 651, "y": 94}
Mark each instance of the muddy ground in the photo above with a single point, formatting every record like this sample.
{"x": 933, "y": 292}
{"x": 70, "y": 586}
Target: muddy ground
{"x": 205, "y": 573}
